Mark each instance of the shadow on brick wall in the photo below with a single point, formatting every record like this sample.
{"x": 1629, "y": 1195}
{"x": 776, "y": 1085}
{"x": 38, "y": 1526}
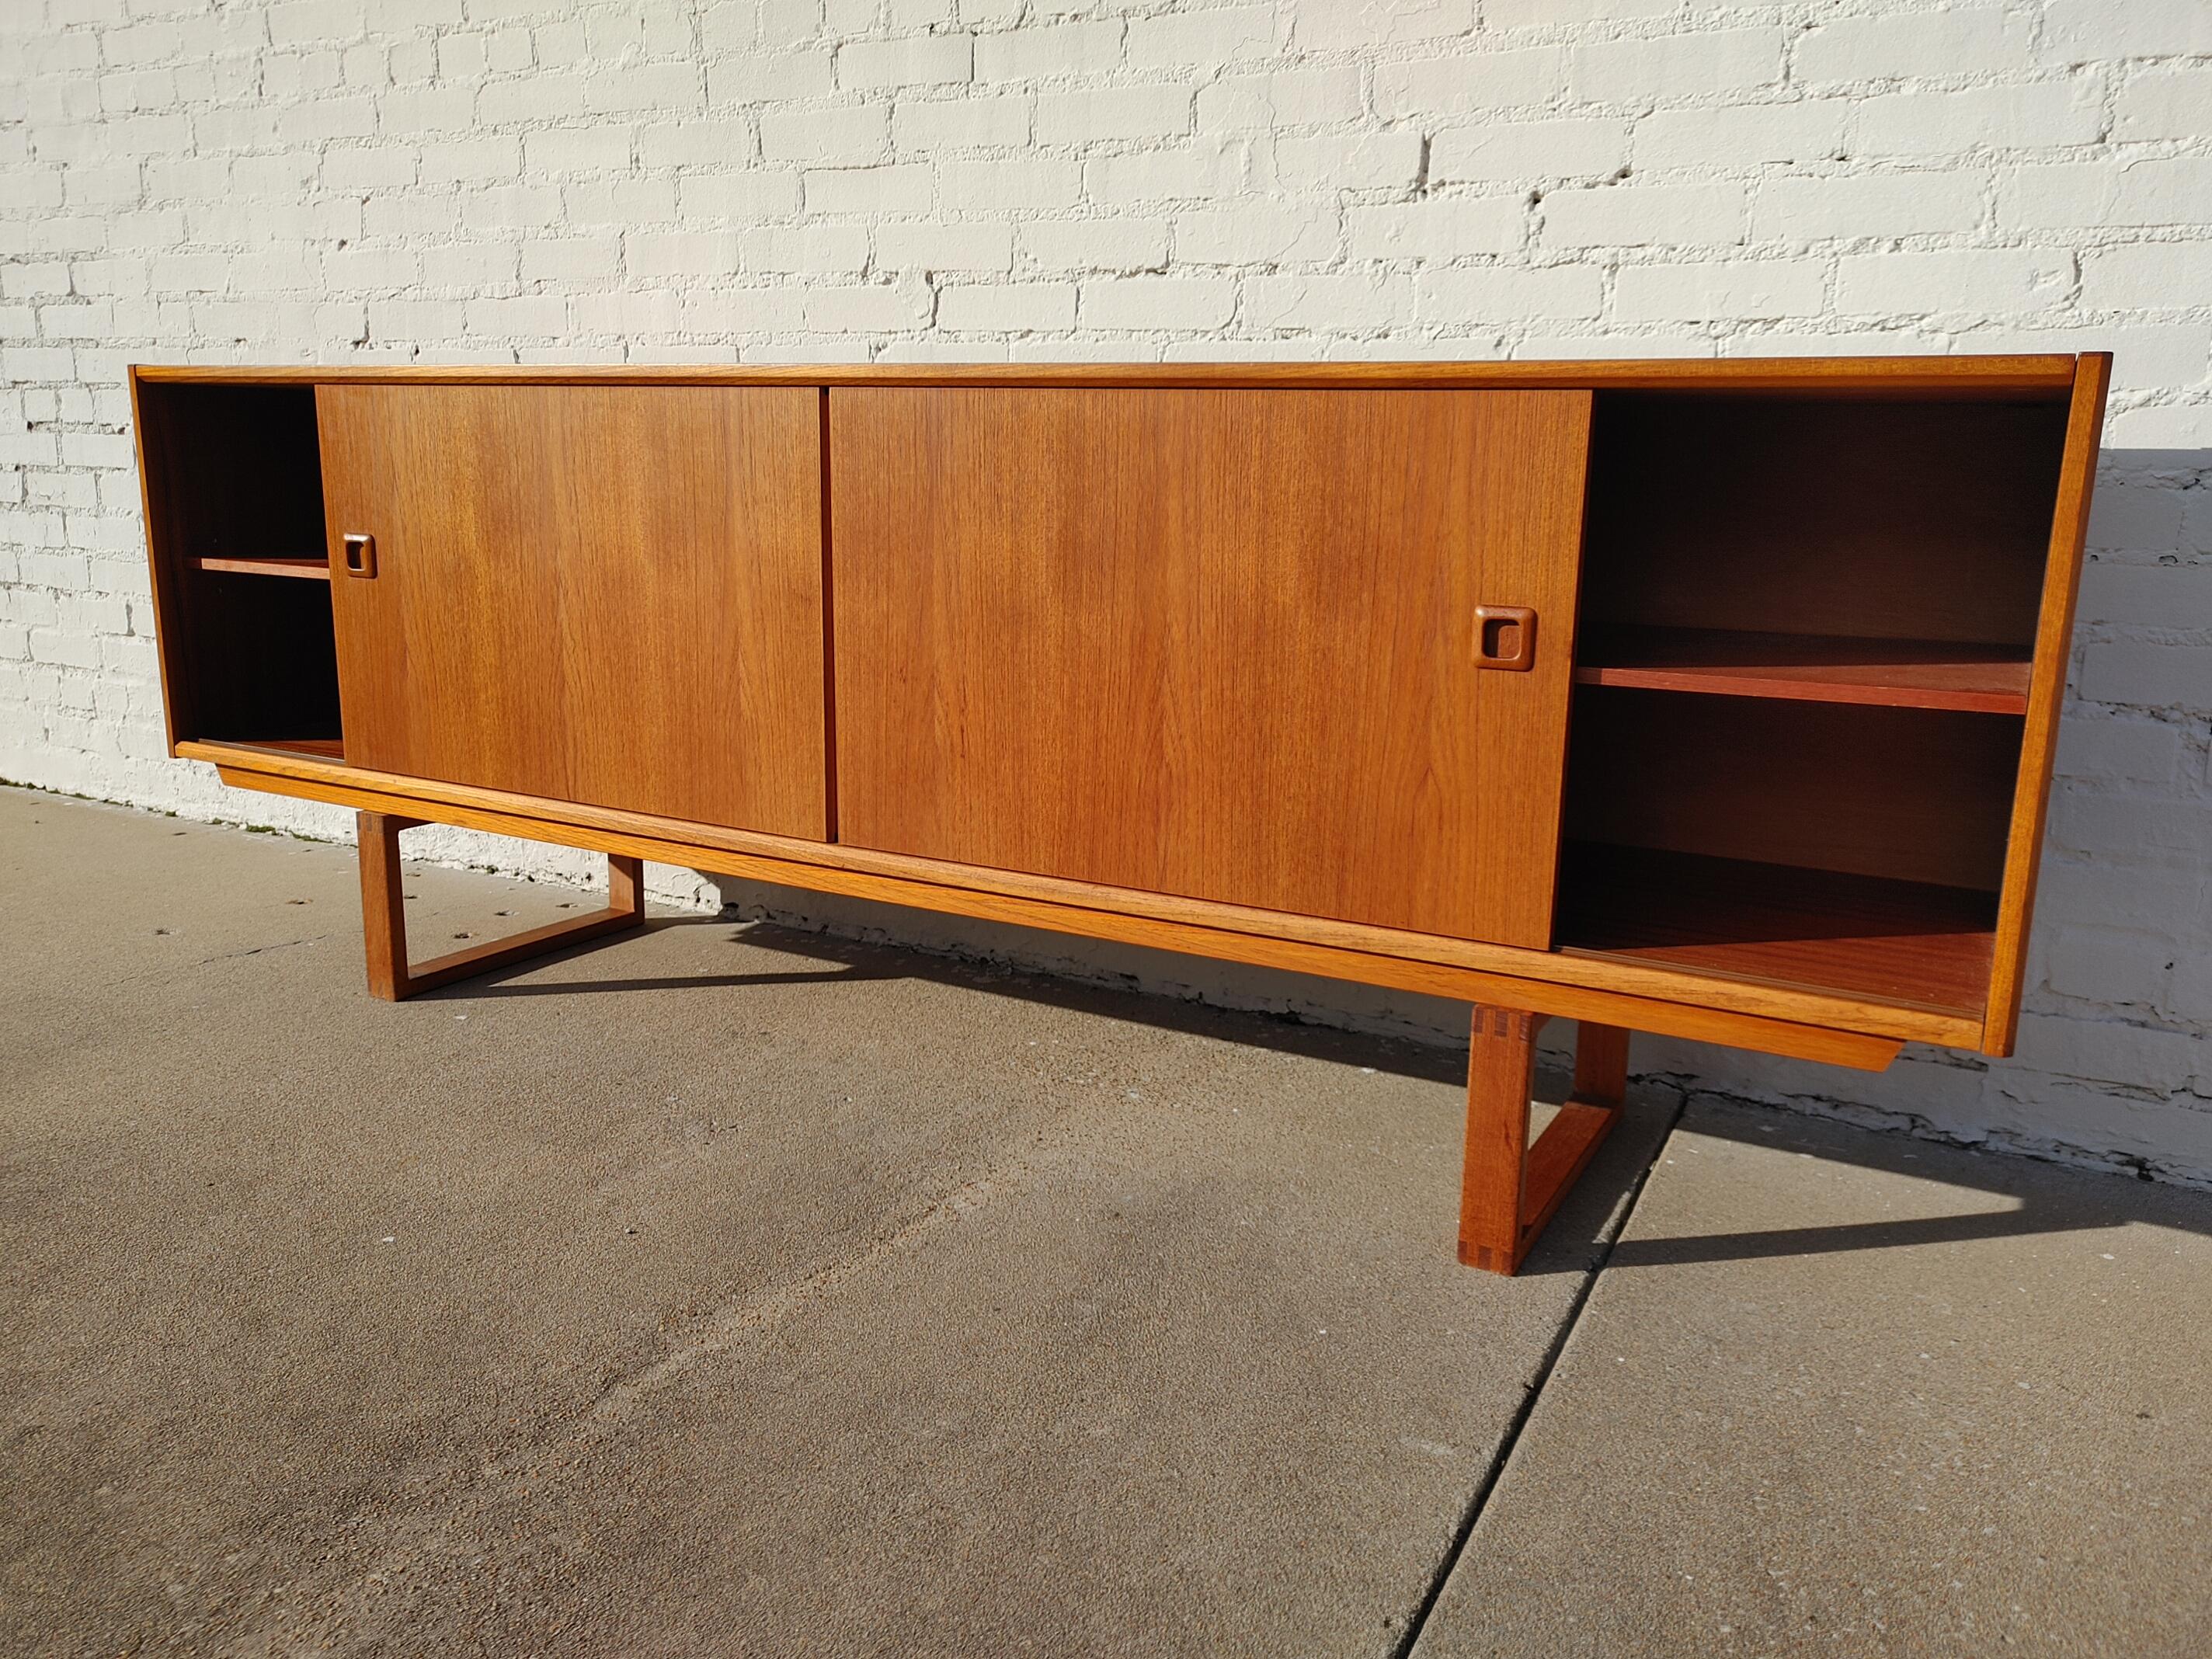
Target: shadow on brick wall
{"x": 2113, "y": 1064}
{"x": 2126, "y": 853}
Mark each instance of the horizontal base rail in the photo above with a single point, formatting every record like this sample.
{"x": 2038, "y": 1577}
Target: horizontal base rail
{"x": 1661, "y": 1003}
{"x": 384, "y": 918}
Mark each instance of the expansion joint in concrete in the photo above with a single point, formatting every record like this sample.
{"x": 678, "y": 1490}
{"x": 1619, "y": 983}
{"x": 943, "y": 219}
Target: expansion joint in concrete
{"x": 1448, "y": 1562}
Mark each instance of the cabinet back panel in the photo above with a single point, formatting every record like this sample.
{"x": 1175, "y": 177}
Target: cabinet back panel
{"x": 1902, "y": 793}
{"x": 1861, "y": 517}
{"x": 610, "y": 595}
{"x": 1213, "y": 643}
{"x": 263, "y": 660}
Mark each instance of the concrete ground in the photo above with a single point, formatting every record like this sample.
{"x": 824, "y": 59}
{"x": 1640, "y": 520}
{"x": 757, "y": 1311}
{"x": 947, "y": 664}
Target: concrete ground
{"x": 723, "y": 1290}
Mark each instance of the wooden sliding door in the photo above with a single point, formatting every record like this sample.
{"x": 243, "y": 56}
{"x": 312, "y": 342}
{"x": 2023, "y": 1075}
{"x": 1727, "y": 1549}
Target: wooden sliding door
{"x": 1222, "y": 644}
{"x": 610, "y": 595}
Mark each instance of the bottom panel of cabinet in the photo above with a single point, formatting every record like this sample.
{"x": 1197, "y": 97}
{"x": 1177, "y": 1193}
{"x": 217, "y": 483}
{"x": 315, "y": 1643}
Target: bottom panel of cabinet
{"x": 1866, "y": 935}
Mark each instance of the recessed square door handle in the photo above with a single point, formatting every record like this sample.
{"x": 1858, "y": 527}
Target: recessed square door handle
{"x": 1504, "y": 637}
{"x": 360, "y": 555}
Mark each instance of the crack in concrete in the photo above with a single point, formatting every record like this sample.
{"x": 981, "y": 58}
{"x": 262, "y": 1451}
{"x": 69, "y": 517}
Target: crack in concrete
{"x": 352, "y": 1607}
{"x": 257, "y": 951}
{"x": 1625, "y": 1212}
{"x": 170, "y": 971}
{"x": 727, "y": 1330}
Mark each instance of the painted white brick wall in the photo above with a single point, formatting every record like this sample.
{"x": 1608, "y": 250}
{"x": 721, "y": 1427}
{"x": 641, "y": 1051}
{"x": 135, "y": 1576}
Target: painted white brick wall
{"x": 681, "y": 180}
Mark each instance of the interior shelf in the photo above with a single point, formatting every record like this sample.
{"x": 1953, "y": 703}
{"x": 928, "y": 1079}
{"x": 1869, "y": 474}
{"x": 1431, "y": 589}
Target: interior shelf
{"x": 315, "y": 570}
{"x": 1990, "y": 679}
{"x": 329, "y": 749}
{"x": 1874, "y": 936}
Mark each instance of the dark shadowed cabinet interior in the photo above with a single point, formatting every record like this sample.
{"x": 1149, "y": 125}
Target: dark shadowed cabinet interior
{"x": 1711, "y": 699}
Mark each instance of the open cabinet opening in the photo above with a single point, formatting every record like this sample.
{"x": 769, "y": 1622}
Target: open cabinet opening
{"x": 1833, "y": 846}
{"x": 1802, "y": 678}
{"x": 233, "y": 485}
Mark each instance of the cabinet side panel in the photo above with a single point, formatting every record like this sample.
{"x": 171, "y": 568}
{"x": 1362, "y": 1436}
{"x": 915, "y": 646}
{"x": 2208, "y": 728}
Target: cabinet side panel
{"x": 2054, "y": 643}
{"x": 1213, "y": 643}
{"x": 149, "y": 420}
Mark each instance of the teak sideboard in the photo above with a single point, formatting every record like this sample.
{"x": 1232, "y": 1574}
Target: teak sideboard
{"x": 1715, "y": 699}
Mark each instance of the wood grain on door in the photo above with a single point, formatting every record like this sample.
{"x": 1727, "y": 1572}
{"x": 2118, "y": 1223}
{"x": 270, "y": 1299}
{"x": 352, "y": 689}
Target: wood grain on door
{"x": 610, "y": 595}
{"x": 1219, "y": 643}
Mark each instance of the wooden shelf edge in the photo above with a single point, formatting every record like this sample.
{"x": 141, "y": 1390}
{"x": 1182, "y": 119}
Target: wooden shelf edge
{"x": 1847, "y": 1030}
{"x": 1961, "y": 676}
{"x": 316, "y": 751}
{"x": 313, "y": 570}
{"x": 1698, "y": 682}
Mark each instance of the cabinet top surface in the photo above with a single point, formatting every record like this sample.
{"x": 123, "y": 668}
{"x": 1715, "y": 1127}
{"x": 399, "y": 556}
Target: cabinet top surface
{"x": 2050, "y": 375}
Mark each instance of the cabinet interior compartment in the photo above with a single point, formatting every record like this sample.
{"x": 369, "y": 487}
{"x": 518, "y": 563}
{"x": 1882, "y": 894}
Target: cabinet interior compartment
{"x": 1839, "y": 549}
{"x": 1834, "y": 846}
{"x": 234, "y": 510}
{"x": 1801, "y": 674}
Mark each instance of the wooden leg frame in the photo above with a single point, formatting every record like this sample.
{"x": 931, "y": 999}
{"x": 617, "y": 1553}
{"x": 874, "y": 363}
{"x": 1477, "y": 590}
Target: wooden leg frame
{"x": 1509, "y": 1188}
{"x": 384, "y": 922}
